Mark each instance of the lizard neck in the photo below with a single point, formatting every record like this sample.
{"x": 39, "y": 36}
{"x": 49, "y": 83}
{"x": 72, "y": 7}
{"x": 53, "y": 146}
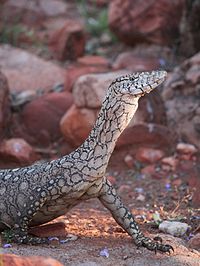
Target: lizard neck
{"x": 93, "y": 155}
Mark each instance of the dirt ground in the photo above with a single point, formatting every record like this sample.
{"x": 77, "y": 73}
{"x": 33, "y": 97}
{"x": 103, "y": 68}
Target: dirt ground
{"x": 96, "y": 230}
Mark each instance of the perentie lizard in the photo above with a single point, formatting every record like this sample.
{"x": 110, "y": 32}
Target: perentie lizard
{"x": 37, "y": 194}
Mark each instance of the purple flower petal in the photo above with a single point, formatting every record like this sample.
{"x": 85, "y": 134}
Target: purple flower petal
{"x": 104, "y": 253}
{"x": 7, "y": 246}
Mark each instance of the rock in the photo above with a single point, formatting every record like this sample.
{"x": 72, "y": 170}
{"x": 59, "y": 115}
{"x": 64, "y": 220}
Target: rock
{"x": 180, "y": 94}
{"x": 38, "y": 121}
{"x": 85, "y": 65}
{"x": 148, "y": 170}
{"x": 27, "y": 12}
{"x": 140, "y": 197}
{"x": 10, "y": 259}
{"x": 76, "y": 124}
{"x": 129, "y": 161}
{"x": 194, "y": 242}
{"x": 89, "y": 90}
{"x": 68, "y": 42}
{"x": 47, "y": 230}
{"x": 148, "y": 135}
{"x": 53, "y": 8}
{"x": 5, "y": 112}
{"x": 26, "y": 71}
{"x": 174, "y": 228}
{"x": 32, "y": 13}
{"x": 190, "y": 37}
{"x": 149, "y": 155}
{"x": 171, "y": 161}
{"x": 145, "y": 57}
{"x": 124, "y": 189}
{"x": 140, "y": 21}
{"x": 93, "y": 60}
{"x": 17, "y": 151}
{"x": 186, "y": 148}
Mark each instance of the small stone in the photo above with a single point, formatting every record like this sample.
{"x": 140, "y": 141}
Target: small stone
{"x": 148, "y": 170}
{"x": 149, "y": 155}
{"x": 174, "y": 228}
{"x": 186, "y": 148}
{"x": 194, "y": 242}
{"x": 49, "y": 230}
{"x": 177, "y": 182}
{"x": 170, "y": 163}
{"x": 18, "y": 151}
{"x": 124, "y": 189}
{"x": 140, "y": 197}
{"x": 10, "y": 259}
{"x": 129, "y": 161}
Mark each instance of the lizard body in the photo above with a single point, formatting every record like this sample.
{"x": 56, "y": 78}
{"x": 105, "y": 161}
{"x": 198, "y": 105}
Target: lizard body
{"x": 37, "y": 194}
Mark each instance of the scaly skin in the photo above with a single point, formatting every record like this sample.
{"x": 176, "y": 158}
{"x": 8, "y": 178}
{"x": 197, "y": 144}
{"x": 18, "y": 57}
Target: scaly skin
{"x": 37, "y": 194}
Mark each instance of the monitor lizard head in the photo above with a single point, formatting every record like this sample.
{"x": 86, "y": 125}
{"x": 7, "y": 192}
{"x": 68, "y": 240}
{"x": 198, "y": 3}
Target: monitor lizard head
{"x": 138, "y": 84}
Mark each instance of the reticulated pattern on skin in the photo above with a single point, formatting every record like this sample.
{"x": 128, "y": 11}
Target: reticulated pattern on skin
{"x": 37, "y": 194}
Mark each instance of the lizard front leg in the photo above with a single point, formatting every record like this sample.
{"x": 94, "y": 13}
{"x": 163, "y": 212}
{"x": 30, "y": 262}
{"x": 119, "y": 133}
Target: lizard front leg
{"x": 125, "y": 219}
{"x": 19, "y": 233}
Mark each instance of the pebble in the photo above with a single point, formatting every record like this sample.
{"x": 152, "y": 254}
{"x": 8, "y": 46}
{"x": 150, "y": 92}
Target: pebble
{"x": 129, "y": 161}
{"x": 140, "y": 197}
{"x": 194, "y": 242}
{"x": 174, "y": 228}
{"x": 186, "y": 148}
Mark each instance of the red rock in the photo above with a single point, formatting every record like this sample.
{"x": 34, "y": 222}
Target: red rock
{"x": 148, "y": 170}
{"x": 89, "y": 90}
{"x": 186, "y": 148}
{"x": 134, "y": 62}
{"x": 26, "y": 71}
{"x": 47, "y": 230}
{"x": 129, "y": 161}
{"x": 84, "y": 67}
{"x": 148, "y": 134}
{"x": 141, "y": 21}
{"x": 30, "y": 12}
{"x": 5, "y": 113}
{"x": 39, "y": 120}
{"x": 13, "y": 260}
{"x": 180, "y": 96}
{"x": 177, "y": 182}
{"x": 124, "y": 189}
{"x": 190, "y": 38}
{"x": 149, "y": 155}
{"x": 172, "y": 162}
{"x": 53, "y": 8}
{"x": 68, "y": 42}
{"x": 76, "y": 124}
{"x": 17, "y": 151}
{"x": 194, "y": 242}
{"x": 93, "y": 60}
{"x": 26, "y": 12}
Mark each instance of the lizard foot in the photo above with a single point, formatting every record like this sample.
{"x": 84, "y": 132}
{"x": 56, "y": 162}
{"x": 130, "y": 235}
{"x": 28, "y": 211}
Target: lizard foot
{"x": 153, "y": 245}
{"x": 22, "y": 237}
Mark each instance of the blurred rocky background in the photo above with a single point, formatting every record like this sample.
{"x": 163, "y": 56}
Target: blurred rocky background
{"x": 57, "y": 59}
